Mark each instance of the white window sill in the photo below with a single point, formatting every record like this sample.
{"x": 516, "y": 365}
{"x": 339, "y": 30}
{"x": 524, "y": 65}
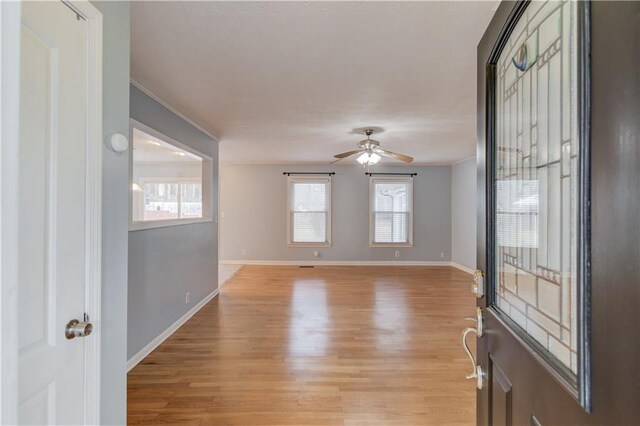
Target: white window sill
{"x": 382, "y": 245}
{"x": 308, "y": 245}
{"x": 151, "y": 224}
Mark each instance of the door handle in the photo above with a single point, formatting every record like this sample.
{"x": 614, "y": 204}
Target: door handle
{"x": 477, "y": 372}
{"x": 479, "y": 320}
{"x": 76, "y": 328}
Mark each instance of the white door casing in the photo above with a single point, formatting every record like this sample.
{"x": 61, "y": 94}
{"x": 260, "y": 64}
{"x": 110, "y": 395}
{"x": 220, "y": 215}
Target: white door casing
{"x": 59, "y": 213}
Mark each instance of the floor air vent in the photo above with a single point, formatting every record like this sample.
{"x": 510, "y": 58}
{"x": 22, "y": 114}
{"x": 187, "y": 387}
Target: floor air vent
{"x": 306, "y": 266}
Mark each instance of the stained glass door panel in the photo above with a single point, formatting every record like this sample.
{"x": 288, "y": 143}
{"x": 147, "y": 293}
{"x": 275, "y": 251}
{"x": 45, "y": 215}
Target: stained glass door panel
{"x": 536, "y": 178}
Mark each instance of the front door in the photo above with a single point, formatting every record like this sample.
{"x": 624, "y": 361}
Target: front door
{"x": 53, "y": 218}
{"x": 559, "y": 215}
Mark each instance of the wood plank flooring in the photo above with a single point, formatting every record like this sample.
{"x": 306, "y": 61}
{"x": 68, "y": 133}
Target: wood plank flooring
{"x": 316, "y": 346}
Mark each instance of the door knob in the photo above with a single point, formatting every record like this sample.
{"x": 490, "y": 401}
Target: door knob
{"x": 76, "y": 328}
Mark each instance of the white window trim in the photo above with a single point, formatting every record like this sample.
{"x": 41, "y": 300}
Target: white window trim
{"x": 308, "y": 179}
{"x": 150, "y": 224}
{"x": 207, "y": 211}
{"x": 372, "y": 181}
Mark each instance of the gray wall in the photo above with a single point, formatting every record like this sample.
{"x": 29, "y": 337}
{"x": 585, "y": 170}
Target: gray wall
{"x": 165, "y": 263}
{"x": 463, "y": 209}
{"x": 115, "y": 206}
{"x": 253, "y": 207}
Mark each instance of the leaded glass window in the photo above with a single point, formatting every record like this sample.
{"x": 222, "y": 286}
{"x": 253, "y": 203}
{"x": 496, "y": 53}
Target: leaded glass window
{"x": 536, "y": 178}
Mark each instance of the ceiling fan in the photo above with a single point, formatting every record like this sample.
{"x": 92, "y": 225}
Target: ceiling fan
{"x": 370, "y": 152}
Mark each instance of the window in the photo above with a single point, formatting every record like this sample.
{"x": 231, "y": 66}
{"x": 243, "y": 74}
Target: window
{"x": 309, "y": 219}
{"x": 391, "y": 212}
{"x": 169, "y": 181}
{"x": 171, "y": 198}
{"x": 538, "y": 271}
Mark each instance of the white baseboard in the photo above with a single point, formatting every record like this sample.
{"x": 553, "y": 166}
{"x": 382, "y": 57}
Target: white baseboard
{"x": 135, "y": 360}
{"x": 462, "y": 268}
{"x": 334, "y": 263}
{"x": 346, "y": 263}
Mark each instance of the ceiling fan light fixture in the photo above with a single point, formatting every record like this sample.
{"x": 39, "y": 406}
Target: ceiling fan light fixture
{"x": 368, "y": 158}
{"x": 370, "y": 153}
{"x": 363, "y": 158}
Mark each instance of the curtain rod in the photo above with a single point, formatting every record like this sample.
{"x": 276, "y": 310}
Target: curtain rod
{"x": 392, "y": 174}
{"x": 308, "y": 173}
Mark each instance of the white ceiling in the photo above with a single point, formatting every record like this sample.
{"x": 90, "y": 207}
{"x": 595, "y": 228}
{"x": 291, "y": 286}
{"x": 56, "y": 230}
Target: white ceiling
{"x": 289, "y": 81}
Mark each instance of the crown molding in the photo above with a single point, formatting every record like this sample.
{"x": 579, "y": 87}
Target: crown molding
{"x": 464, "y": 160}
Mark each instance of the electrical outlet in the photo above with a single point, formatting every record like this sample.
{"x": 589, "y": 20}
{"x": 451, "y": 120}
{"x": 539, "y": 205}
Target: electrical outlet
{"x": 397, "y": 253}
{"x": 187, "y": 296}
{"x": 244, "y": 252}
{"x": 442, "y": 255}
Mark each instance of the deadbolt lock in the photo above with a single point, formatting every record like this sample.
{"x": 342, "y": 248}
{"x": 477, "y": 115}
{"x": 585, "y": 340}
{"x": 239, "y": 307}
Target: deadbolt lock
{"x": 478, "y": 283}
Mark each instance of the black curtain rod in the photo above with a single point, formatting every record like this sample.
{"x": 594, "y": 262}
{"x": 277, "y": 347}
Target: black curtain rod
{"x": 308, "y": 173}
{"x": 392, "y": 174}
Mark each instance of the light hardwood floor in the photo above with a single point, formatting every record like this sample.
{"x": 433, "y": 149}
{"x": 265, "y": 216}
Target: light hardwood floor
{"x": 322, "y": 346}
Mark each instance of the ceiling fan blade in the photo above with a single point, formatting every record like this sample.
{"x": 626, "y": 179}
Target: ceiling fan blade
{"x": 395, "y": 155}
{"x": 347, "y": 154}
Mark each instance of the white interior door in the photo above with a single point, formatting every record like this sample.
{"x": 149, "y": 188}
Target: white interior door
{"x": 52, "y": 223}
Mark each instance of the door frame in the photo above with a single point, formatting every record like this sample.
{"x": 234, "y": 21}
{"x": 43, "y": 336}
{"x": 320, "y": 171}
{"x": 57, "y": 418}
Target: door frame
{"x": 10, "y": 24}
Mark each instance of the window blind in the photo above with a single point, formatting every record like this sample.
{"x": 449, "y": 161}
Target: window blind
{"x": 517, "y": 213}
{"x": 391, "y": 212}
{"x": 309, "y": 210}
